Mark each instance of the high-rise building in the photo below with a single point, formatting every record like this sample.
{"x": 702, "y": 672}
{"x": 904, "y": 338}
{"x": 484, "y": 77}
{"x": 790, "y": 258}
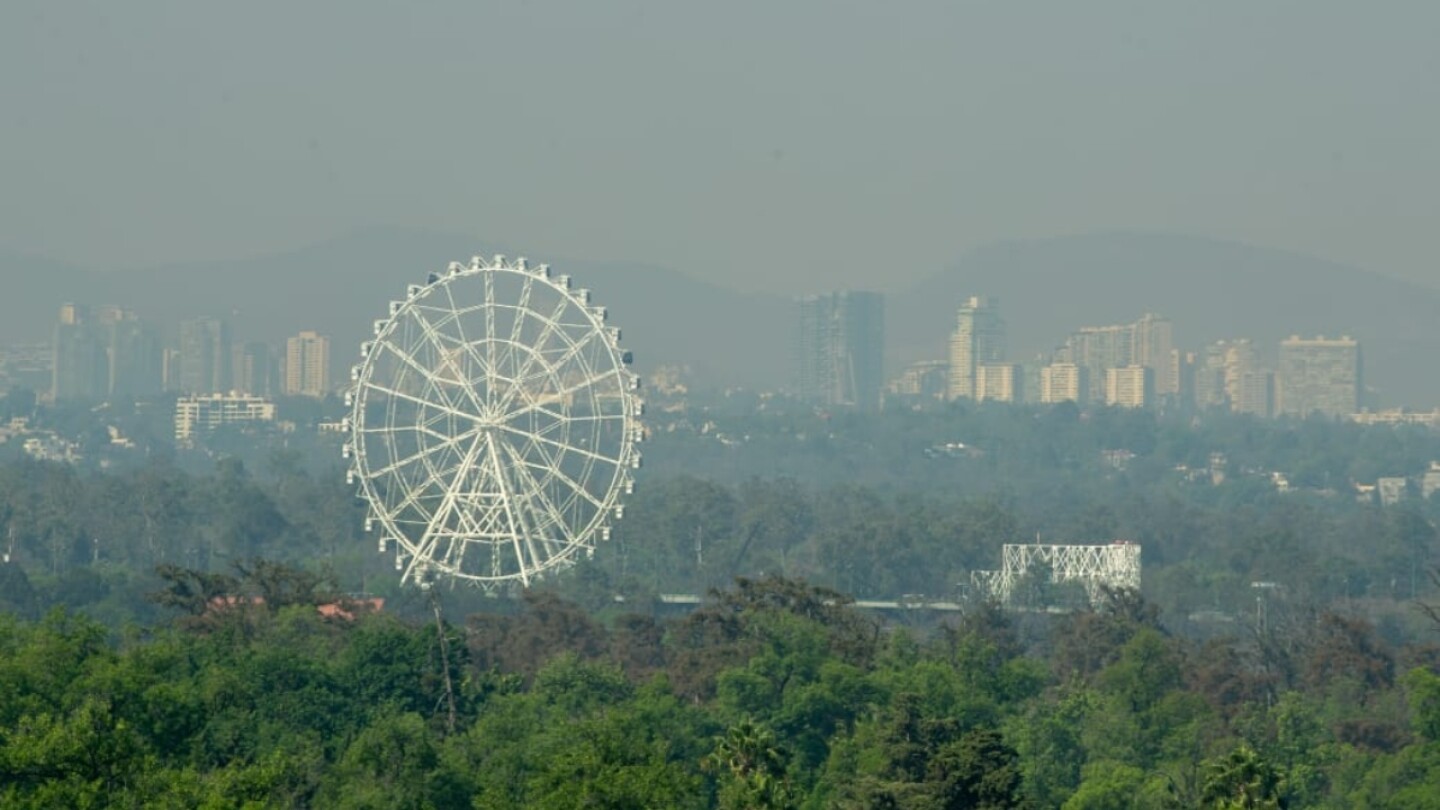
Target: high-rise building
{"x": 307, "y": 365}
{"x": 1152, "y": 346}
{"x": 1064, "y": 382}
{"x": 1095, "y": 349}
{"x": 1130, "y": 386}
{"x": 253, "y": 369}
{"x": 81, "y": 367}
{"x": 1256, "y": 393}
{"x": 1320, "y": 375}
{"x": 1147, "y": 342}
{"x": 1183, "y": 372}
{"x": 979, "y": 338}
{"x": 840, "y": 349}
{"x": 136, "y": 356}
{"x": 1001, "y": 382}
{"x": 1220, "y": 370}
{"x": 204, "y": 356}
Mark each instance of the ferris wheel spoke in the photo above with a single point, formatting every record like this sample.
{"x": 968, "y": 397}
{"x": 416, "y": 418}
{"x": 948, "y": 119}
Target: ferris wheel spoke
{"x": 552, "y": 513}
{"x": 517, "y": 320}
{"x": 552, "y": 471}
{"x": 447, "y": 443}
{"x": 546, "y": 330}
{"x": 436, "y": 338}
{"x": 574, "y": 349}
{"x": 490, "y": 366}
{"x": 522, "y": 540}
{"x": 562, "y": 446}
{"x": 438, "y": 520}
{"x": 562, "y": 393}
{"x": 416, "y": 496}
{"x": 445, "y": 409}
{"x": 455, "y": 316}
{"x": 425, "y": 373}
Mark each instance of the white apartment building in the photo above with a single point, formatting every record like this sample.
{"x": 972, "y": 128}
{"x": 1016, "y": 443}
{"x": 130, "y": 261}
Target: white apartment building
{"x": 1064, "y": 382}
{"x": 1130, "y": 386}
{"x": 201, "y": 413}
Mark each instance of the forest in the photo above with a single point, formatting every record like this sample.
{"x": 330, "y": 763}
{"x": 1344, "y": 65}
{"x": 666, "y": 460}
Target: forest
{"x": 188, "y": 634}
{"x": 772, "y": 694}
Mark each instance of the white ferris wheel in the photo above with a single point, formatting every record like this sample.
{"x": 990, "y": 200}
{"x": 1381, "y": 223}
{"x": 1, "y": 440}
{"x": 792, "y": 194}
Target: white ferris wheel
{"x": 493, "y": 424}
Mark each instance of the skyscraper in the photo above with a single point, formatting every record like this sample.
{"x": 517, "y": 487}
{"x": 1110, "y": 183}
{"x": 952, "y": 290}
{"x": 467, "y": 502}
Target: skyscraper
{"x": 204, "y": 356}
{"x": 1221, "y": 371}
{"x": 136, "y": 356}
{"x": 979, "y": 338}
{"x": 307, "y": 365}
{"x": 1320, "y": 375}
{"x": 840, "y": 349}
{"x": 253, "y": 369}
{"x": 81, "y": 367}
{"x": 1152, "y": 344}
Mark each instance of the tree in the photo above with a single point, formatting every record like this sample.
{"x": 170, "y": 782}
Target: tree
{"x": 1242, "y": 780}
{"x": 977, "y": 772}
{"x": 755, "y": 765}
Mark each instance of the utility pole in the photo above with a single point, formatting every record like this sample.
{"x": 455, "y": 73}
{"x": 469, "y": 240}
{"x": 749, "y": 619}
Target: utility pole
{"x": 444, "y": 659}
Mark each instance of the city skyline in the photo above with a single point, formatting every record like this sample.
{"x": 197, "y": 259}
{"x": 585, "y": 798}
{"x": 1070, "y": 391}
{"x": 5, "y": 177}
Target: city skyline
{"x": 99, "y": 351}
{"x": 1132, "y": 365}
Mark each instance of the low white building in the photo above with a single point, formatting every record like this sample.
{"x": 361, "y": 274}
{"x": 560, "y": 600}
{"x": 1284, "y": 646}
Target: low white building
{"x": 198, "y": 414}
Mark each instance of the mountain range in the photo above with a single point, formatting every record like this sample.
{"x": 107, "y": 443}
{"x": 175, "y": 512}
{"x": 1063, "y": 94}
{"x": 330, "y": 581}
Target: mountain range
{"x": 1046, "y": 288}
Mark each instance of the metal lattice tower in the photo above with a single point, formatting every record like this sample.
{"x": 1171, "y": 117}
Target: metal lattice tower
{"x": 1115, "y": 566}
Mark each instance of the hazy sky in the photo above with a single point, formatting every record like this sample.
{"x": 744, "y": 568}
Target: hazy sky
{"x": 765, "y": 145}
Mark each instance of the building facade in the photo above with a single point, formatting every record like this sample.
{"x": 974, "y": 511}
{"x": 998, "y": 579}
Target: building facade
{"x": 840, "y": 349}
{"x": 307, "y": 365}
{"x": 204, "y": 356}
{"x": 136, "y": 357}
{"x": 1130, "y": 387}
{"x": 198, "y": 414}
{"x": 1064, "y": 382}
{"x": 979, "y": 338}
{"x": 253, "y": 369}
{"x": 81, "y": 364}
{"x": 1148, "y": 342}
{"x": 1153, "y": 345}
{"x": 1256, "y": 393}
{"x": 1320, "y": 375}
{"x": 999, "y": 382}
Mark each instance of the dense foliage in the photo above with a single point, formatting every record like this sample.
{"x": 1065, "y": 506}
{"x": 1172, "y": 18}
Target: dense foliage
{"x": 771, "y": 694}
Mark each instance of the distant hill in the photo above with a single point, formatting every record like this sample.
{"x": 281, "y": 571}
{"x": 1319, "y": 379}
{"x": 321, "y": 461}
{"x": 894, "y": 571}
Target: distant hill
{"x": 340, "y": 286}
{"x": 1210, "y": 289}
{"x": 1047, "y": 288}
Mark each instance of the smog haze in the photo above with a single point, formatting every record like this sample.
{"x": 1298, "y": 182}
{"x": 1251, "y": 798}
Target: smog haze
{"x": 763, "y": 147}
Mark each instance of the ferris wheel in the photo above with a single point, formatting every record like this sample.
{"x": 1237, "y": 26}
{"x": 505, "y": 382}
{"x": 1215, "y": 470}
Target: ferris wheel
{"x": 493, "y": 424}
